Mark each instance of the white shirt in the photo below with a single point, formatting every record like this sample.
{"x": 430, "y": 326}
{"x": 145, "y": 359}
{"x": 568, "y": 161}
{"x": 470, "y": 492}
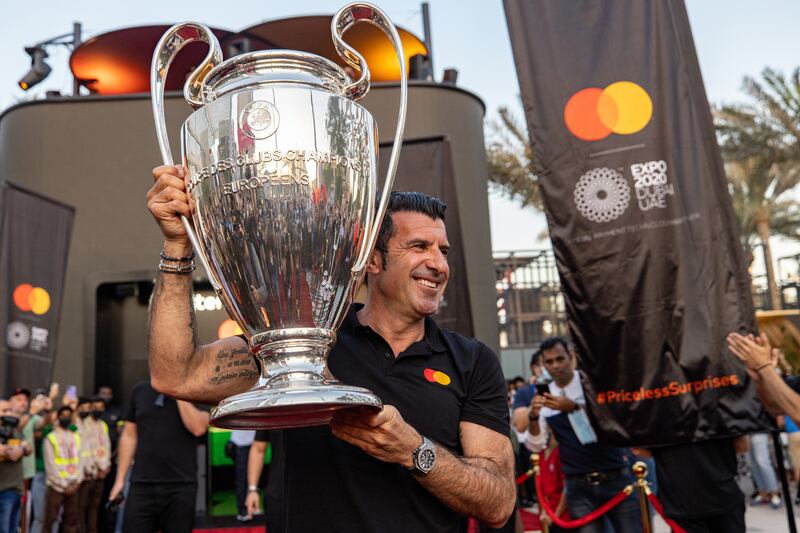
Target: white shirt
{"x": 242, "y": 437}
{"x": 574, "y": 392}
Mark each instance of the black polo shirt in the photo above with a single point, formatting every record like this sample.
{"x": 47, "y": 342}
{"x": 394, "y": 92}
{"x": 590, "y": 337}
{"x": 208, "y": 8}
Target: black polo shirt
{"x": 166, "y": 452}
{"x": 332, "y": 486}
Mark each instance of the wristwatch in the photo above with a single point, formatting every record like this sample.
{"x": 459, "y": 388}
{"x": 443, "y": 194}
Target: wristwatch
{"x": 424, "y": 457}
{"x": 252, "y": 488}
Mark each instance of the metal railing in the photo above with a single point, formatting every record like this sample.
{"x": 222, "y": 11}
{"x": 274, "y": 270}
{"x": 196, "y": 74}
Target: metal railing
{"x": 530, "y": 306}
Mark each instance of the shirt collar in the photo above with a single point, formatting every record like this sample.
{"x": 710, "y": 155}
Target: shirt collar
{"x": 573, "y": 390}
{"x": 431, "y": 342}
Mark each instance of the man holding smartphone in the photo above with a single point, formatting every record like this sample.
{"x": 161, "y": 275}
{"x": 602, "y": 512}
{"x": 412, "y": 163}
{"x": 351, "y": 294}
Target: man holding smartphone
{"x": 594, "y": 472}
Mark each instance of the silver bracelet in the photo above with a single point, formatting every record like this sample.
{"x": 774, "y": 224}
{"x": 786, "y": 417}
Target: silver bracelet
{"x": 164, "y": 266}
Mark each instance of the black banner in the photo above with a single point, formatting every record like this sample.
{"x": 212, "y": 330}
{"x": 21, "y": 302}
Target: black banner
{"x": 34, "y": 242}
{"x": 641, "y": 222}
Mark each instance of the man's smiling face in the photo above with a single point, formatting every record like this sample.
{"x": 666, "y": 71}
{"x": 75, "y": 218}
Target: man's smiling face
{"x": 415, "y": 273}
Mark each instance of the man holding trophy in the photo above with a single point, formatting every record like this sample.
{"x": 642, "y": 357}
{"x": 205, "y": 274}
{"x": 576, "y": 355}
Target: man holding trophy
{"x": 387, "y": 422}
{"x": 368, "y": 471}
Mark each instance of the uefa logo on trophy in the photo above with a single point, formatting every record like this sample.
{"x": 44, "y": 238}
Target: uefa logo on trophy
{"x": 282, "y": 171}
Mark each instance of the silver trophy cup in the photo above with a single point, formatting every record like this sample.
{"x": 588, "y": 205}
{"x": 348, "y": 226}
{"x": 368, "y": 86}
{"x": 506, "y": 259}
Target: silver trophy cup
{"x": 282, "y": 175}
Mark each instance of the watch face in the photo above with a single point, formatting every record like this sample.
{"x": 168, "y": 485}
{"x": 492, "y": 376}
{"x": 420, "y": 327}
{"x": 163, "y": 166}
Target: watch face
{"x": 426, "y": 460}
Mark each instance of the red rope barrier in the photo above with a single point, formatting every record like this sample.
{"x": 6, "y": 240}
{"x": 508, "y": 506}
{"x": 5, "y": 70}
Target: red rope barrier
{"x": 660, "y": 509}
{"x": 585, "y": 519}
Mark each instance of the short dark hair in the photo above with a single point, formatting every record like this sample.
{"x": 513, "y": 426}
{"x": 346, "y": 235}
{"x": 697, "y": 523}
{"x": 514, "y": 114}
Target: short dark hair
{"x": 536, "y": 357}
{"x": 415, "y": 202}
{"x": 64, "y": 408}
{"x": 551, "y": 342}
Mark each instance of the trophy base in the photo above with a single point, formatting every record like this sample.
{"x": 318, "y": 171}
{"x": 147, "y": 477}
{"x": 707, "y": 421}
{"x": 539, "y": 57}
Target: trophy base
{"x": 290, "y": 405}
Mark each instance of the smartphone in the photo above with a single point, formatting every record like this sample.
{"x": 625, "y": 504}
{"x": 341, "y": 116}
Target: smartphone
{"x": 542, "y": 388}
{"x": 72, "y": 392}
{"x": 113, "y": 505}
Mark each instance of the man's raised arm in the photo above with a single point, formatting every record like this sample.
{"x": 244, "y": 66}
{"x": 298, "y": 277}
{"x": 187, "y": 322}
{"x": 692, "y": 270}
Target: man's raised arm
{"x": 756, "y": 354}
{"x": 179, "y": 367}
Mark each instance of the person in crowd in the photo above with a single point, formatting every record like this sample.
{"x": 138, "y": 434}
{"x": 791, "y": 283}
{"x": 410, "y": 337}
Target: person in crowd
{"x": 160, "y": 438}
{"x": 511, "y": 390}
{"x": 43, "y": 415}
{"x": 12, "y": 450}
{"x": 764, "y": 476}
{"x": 20, "y": 401}
{"x": 793, "y": 437}
{"x": 98, "y": 444}
{"x": 64, "y": 470}
{"x": 526, "y": 492}
{"x": 780, "y": 396}
{"x": 552, "y": 481}
{"x": 594, "y": 472}
{"x": 241, "y": 442}
{"x": 112, "y": 416}
{"x": 272, "y": 480}
{"x": 525, "y": 394}
{"x": 87, "y": 456}
{"x": 112, "y": 413}
{"x": 460, "y": 429}
{"x": 713, "y": 501}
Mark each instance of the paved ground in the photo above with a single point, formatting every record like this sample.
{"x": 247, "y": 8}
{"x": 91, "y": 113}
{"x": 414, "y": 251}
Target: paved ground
{"x": 759, "y": 519}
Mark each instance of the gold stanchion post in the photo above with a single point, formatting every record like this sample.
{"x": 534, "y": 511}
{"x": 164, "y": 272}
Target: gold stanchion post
{"x": 536, "y": 470}
{"x": 640, "y": 471}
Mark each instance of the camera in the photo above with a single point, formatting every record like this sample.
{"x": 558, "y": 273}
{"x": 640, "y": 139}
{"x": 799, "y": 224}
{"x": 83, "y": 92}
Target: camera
{"x": 8, "y": 427}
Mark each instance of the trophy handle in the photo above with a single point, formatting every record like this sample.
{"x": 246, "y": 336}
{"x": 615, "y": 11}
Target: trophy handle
{"x": 167, "y": 48}
{"x": 342, "y": 21}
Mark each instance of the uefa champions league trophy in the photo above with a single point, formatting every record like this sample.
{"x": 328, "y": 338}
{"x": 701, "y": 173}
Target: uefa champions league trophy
{"x": 282, "y": 174}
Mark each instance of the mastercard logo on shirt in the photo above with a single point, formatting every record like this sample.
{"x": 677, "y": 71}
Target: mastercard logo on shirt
{"x": 436, "y": 376}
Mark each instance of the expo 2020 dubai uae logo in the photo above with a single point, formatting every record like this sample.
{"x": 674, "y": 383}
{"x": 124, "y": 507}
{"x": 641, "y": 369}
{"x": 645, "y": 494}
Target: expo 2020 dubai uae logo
{"x": 602, "y": 195}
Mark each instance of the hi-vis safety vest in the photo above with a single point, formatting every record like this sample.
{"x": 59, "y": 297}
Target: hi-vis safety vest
{"x": 100, "y": 450}
{"x": 68, "y": 460}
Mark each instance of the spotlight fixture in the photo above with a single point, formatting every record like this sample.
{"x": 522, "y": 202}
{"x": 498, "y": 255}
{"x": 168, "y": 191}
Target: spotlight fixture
{"x": 39, "y": 68}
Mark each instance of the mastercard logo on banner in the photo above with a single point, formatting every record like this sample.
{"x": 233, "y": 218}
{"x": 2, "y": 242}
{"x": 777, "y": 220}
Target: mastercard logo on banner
{"x": 435, "y": 376}
{"x": 623, "y": 108}
{"x": 31, "y": 299}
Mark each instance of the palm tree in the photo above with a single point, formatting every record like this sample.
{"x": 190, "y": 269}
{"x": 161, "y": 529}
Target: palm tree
{"x": 760, "y": 144}
{"x": 512, "y": 170}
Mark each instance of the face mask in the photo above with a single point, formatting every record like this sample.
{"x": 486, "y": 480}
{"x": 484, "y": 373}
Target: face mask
{"x": 10, "y": 421}
{"x": 64, "y": 422}
{"x": 97, "y": 414}
{"x": 83, "y": 414}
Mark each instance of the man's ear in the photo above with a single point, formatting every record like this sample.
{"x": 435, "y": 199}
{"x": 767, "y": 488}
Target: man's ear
{"x": 375, "y": 264}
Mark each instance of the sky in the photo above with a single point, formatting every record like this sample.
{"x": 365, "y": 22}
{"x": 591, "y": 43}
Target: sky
{"x": 733, "y": 38}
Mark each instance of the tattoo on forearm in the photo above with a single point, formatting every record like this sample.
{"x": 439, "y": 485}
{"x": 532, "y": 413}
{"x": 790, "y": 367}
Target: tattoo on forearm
{"x": 233, "y": 364}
